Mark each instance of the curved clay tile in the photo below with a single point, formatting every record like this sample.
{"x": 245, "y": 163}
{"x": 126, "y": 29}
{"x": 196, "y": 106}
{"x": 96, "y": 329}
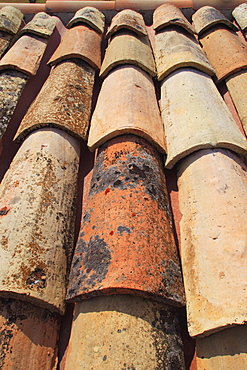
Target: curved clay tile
{"x": 196, "y": 117}
{"x": 79, "y": 42}
{"x": 213, "y": 201}
{"x": 37, "y": 219}
{"x": 240, "y": 14}
{"x": 236, "y": 84}
{"x": 25, "y": 55}
{"x": 169, "y": 15}
{"x": 29, "y": 336}
{"x": 128, "y": 95}
{"x": 127, "y": 48}
{"x": 91, "y": 16}
{"x": 124, "y": 332}
{"x": 126, "y": 244}
{"x": 225, "y": 50}
{"x": 10, "y": 19}
{"x": 127, "y": 19}
{"x": 63, "y": 102}
{"x": 12, "y": 84}
{"x": 207, "y": 17}
{"x": 41, "y": 24}
{"x": 174, "y": 49}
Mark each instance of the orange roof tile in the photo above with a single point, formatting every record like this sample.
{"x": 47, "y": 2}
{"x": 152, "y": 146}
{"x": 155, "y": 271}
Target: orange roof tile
{"x": 127, "y": 245}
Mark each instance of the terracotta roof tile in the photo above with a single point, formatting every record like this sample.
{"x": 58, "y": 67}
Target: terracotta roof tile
{"x": 79, "y": 42}
{"x": 207, "y": 17}
{"x": 29, "y": 336}
{"x": 236, "y": 84}
{"x": 12, "y": 84}
{"x": 240, "y": 14}
{"x": 196, "y": 117}
{"x": 10, "y": 19}
{"x": 212, "y": 197}
{"x": 125, "y": 325}
{"x": 89, "y": 15}
{"x": 126, "y": 243}
{"x": 128, "y": 95}
{"x": 126, "y": 253}
{"x": 127, "y": 19}
{"x": 41, "y": 25}
{"x": 25, "y": 55}
{"x": 5, "y": 39}
{"x": 213, "y": 352}
{"x": 63, "y": 102}
{"x": 169, "y": 15}
{"x": 41, "y": 181}
{"x": 225, "y": 50}
{"x": 127, "y": 48}
{"x": 174, "y": 49}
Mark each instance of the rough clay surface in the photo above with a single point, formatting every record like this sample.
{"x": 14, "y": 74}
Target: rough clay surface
{"x": 236, "y": 84}
{"x": 126, "y": 244}
{"x": 213, "y": 202}
{"x": 28, "y": 336}
{"x": 64, "y": 100}
{"x": 175, "y": 49}
{"x": 223, "y": 350}
{"x": 25, "y": 55}
{"x": 10, "y": 19}
{"x": 207, "y": 17}
{"x": 128, "y": 48}
{"x": 240, "y": 14}
{"x": 91, "y": 16}
{"x": 127, "y": 19}
{"x": 127, "y": 104}
{"x": 12, "y": 84}
{"x": 168, "y": 14}
{"x": 225, "y": 50}
{"x": 42, "y": 25}
{"x": 196, "y": 117}
{"x": 79, "y": 42}
{"x": 37, "y": 219}
{"x": 5, "y": 39}
{"x": 124, "y": 332}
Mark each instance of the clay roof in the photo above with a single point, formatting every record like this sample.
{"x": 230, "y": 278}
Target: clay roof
{"x": 123, "y": 186}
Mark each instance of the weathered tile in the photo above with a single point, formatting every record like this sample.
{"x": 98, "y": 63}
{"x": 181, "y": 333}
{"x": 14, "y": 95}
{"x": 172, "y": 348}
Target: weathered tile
{"x": 127, "y": 19}
{"x": 126, "y": 243}
{"x": 196, "y": 117}
{"x": 236, "y": 84}
{"x": 10, "y": 19}
{"x": 63, "y": 102}
{"x": 128, "y": 48}
{"x": 25, "y": 55}
{"x": 79, "y": 42}
{"x": 91, "y": 16}
{"x": 29, "y": 336}
{"x": 225, "y": 50}
{"x": 5, "y": 39}
{"x": 42, "y": 25}
{"x": 37, "y": 219}
{"x": 128, "y": 95}
{"x": 213, "y": 201}
{"x": 240, "y": 14}
{"x": 124, "y": 332}
{"x": 170, "y": 15}
{"x": 223, "y": 350}
{"x": 12, "y": 84}
{"x": 207, "y": 17}
{"x": 174, "y": 49}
